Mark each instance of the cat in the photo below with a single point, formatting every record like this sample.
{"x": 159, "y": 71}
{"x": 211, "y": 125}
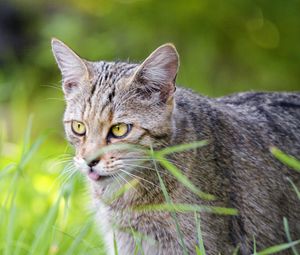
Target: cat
{"x": 119, "y": 102}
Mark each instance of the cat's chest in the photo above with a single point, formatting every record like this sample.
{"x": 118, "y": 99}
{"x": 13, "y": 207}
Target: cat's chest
{"x": 110, "y": 225}
{"x": 103, "y": 221}
{"x": 118, "y": 227}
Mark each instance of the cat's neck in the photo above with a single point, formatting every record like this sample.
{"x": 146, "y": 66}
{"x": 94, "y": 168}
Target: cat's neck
{"x": 191, "y": 117}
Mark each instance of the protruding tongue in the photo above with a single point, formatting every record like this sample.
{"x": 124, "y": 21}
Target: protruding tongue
{"x": 94, "y": 176}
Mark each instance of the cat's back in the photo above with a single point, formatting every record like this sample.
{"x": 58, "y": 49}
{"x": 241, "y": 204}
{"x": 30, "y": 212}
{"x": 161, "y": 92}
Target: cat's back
{"x": 275, "y": 116}
{"x": 258, "y": 104}
{"x": 241, "y": 129}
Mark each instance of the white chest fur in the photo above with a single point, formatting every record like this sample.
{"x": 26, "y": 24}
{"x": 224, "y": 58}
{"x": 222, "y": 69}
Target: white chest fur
{"x": 103, "y": 221}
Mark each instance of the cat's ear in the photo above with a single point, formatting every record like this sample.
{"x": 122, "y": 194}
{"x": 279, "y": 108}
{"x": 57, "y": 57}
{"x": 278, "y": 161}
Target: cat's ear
{"x": 73, "y": 69}
{"x": 158, "y": 72}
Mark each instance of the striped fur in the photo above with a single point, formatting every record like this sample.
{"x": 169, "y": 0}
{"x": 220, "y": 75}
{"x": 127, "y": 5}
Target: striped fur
{"x": 236, "y": 166}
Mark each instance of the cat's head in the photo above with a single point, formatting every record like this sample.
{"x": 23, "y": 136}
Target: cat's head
{"x": 116, "y": 102}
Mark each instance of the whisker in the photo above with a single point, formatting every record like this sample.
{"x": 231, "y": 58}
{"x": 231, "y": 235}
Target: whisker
{"x": 127, "y": 182}
{"x": 62, "y": 157}
{"x": 54, "y": 98}
{"x": 115, "y": 176}
{"x": 60, "y": 162}
{"x": 65, "y": 172}
{"x": 147, "y": 188}
{"x": 134, "y": 159}
{"x": 69, "y": 177}
{"x": 63, "y": 178}
{"x": 66, "y": 169}
{"x": 138, "y": 177}
{"x": 174, "y": 162}
{"x": 167, "y": 174}
{"x": 52, "y": 86}
{"x": 144, "y": 167}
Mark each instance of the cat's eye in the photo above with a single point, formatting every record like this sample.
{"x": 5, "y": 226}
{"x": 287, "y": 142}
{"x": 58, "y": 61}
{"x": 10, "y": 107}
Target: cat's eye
{"x": 78, "y": 127}
{"x": 120, "y": 130}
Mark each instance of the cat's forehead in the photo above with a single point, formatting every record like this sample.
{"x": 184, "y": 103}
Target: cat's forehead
{"x": 109, "y": 78}
{"x": 105, "y": 94}
{"x": 110, "y": 73}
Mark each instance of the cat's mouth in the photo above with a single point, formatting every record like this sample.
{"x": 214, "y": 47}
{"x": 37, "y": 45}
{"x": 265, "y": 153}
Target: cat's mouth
{"x": 94, "y": 176}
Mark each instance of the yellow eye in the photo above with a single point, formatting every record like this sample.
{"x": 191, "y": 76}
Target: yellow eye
{"x": 120, "y": 130}
{"x": 78, "y": 127}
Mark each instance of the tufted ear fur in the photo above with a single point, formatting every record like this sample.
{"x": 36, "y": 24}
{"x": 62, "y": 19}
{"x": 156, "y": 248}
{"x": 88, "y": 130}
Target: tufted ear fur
{"x": 158, "y": 72}
{"x": 74, "y": 70}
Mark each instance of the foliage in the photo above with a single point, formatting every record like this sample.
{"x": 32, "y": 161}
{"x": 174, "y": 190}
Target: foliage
{"x": 224, "y": 46}
{"x": 289, "y": 161}
{"x": 35, "y": 216}
{"x": 286, "y": 159}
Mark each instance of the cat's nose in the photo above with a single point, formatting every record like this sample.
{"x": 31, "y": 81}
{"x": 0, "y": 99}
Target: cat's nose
{"x": 93, "y": 162}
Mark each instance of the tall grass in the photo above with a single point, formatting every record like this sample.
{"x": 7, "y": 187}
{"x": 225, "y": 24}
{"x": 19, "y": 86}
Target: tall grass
{"x": 35, "y": 219}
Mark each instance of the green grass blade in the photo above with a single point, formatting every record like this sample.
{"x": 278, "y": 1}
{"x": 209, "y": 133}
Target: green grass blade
{"x": 182, "y": 147}
{"x": 174, "y": 217}
{"x": 32, "y": 150}
{"x": 136, "y": 250}
{"x": 115, "y": 245}
{"x": 278, "y": 248}
{"x": 11, "y": 191}
{"x": 295, "y": 188}
{"x": 288, "y": 235}
{"x": 79, "y": 237}
{"x": 43, "y": 231}
{"x": 254, "y": 246}
{"x": 168, "y": 200}
{"x": 10, "y": 230}
{"x": 10, "y": 202}
{"x": 127, "y": 186}
{"x": 198, "y": 251}
{"x": 286, "y": 159}
{"x": 199, "y": 235}
{"x": 183, "y": 179}
{"x": 137, "y": 237}
{"x": 7, "y": 170}
{"x": 27, "y": 135}
{"x": 236, "y": 250}
{"x": 20, "y": 243}
{"x": 185, "y": 208}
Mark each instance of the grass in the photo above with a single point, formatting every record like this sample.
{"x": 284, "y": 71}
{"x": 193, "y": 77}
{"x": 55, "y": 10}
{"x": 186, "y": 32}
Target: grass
{"x": 35, "y": 216}
{"x": 286, "y": 159}
{"x": 39, "y": 215}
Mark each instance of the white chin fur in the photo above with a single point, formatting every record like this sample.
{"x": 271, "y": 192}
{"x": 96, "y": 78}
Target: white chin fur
{"x": 81, "y": 165}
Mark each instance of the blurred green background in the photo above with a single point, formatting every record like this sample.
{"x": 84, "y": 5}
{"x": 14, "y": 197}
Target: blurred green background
{"x": 225, "y": 47}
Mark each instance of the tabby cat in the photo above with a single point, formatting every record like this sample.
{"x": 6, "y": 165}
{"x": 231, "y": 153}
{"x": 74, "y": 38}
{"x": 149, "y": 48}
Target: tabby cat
{"x": 120, "y": 102}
